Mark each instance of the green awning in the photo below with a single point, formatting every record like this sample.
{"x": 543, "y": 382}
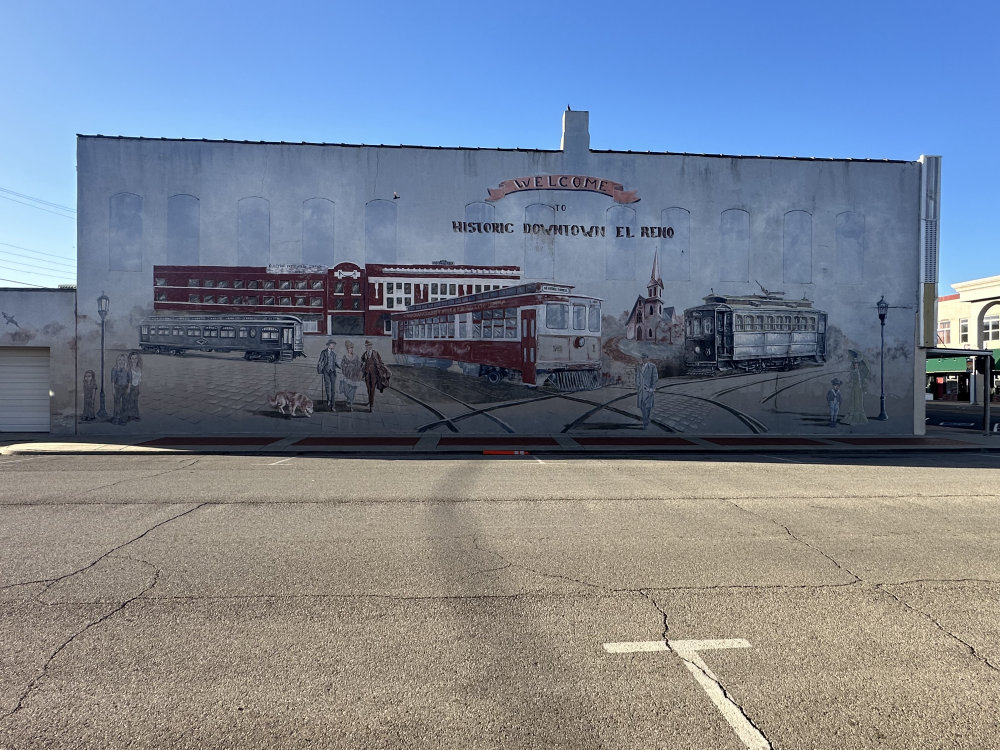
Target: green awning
{"x": 947, "y": 364}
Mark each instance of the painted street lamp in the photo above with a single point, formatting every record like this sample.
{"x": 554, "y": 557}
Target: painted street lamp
{"x": 102, "y": 310}
{"x": 883, "y": 310}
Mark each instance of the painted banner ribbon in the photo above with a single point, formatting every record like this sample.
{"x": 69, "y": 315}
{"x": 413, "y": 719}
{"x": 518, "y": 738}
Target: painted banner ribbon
{"x": 614, "y": 190}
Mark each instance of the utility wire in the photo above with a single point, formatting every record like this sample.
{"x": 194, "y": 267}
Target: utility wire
{"x": 38, "y": 260}
{"x": 49, "y": 274}
{"x": 50, "y": 204}
{"x": 47, "y": 267}
{"x": 29, "y": 250}
{"x": 46, "y": 210}
{"x": 15, "y": 281}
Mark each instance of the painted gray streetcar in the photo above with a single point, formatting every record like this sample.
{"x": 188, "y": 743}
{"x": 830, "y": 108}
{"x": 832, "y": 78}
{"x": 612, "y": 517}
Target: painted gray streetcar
{"x": 752, "y": 333}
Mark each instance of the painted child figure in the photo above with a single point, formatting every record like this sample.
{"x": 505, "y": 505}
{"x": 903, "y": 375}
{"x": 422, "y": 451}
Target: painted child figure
{"x": 89, "y": 392}
{"x": 833, "y": 399}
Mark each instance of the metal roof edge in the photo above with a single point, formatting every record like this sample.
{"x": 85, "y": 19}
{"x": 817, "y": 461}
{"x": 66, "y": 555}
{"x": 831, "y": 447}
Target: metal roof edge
{"x": 498, "y": 148}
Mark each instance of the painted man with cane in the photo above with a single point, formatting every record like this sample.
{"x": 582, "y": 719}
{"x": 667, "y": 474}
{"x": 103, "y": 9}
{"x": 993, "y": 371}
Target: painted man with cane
{"x": 645, "y": 381}
{"x": 327, "y": 367}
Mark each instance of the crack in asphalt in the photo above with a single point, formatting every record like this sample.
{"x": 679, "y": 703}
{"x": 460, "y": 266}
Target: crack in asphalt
{"x": 926, "y": 615}
{"x": 725, "y": 693}
{"x": 557, "y": 576}
{"x": 880, "y": 587}
{"x": 645, "y": 593}
{"x": 34, "y": 683}
{"x": 50, "y": 582}
{"x": 803, "y": 542}
{"x": 694, "y": 664}
{"x": 130, "y": 479}
{"x": 37, "y": 681}
{"x": 356, "y": 499}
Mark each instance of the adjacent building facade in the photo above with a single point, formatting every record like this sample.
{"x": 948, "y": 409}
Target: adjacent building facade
{"x": 969, "y": 319}
{"x": 503, "y": 290}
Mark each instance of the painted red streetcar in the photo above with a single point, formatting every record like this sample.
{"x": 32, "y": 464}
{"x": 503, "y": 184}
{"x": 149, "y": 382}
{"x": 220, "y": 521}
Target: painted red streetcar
{"x": 539, "y": 333}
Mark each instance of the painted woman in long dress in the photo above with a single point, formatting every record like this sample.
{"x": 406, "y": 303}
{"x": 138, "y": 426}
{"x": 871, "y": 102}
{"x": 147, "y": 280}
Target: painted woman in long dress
{"x": 350, "y": 374}
{"x": 856, "y": 390}
{"x": 134, "y": 386}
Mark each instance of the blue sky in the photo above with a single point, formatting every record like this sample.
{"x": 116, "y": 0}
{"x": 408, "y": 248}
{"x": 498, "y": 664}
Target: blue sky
{"x": 851, "y": 79}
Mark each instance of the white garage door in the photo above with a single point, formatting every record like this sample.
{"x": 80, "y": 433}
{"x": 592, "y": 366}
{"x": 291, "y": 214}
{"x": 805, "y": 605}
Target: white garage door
{"x": 24, "y": 390}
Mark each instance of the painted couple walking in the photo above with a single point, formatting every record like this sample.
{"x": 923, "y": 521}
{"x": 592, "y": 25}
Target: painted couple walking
{"x": 347, "y": 371}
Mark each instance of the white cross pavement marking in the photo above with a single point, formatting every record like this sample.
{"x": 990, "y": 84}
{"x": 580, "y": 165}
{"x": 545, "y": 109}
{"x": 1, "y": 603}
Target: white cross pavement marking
{"x": 749, "y": 735}
{"x": 280, "y": 462}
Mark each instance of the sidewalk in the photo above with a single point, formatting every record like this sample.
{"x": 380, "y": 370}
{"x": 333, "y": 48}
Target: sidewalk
{"x": 936, "y": 439}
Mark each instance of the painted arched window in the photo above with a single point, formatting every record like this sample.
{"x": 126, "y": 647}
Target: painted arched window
{"x": 253, "y": 234}
{"x": 380, "y": 231}
{"x": 796, "y": 248}
{"x": 619, "y": 260}
{"x": 125, "y": 232}
{"x": 539, "y": 248}
{"x": 183, "y": 230}
{"x": 480, "y": 246}
{"x": 675, "y": 251}
{"x": 317, "y": 232}
{"x": 734, "y": 245}
{"x": 850, "y": 247}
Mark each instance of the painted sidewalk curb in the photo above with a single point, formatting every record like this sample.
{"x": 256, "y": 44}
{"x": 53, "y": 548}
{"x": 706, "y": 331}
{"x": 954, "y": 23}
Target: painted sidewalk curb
{"x": 493, "y": 445}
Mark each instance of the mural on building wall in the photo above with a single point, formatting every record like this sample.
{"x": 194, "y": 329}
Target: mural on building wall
{"x": 537, "y": 335}
{"x": 605, "y": 321}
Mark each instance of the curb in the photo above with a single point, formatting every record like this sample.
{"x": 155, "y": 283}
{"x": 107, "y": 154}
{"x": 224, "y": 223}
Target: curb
{"x": 494, "y": 446}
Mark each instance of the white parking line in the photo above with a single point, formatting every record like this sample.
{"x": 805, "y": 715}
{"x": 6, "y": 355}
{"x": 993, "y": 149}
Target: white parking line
{"x": 688, "y": 651}
{"x": 280, "y": 461}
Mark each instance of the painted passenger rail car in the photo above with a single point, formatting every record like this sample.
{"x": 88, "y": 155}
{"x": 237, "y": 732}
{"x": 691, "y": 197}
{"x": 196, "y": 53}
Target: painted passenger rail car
{"x": 269, "y": 338}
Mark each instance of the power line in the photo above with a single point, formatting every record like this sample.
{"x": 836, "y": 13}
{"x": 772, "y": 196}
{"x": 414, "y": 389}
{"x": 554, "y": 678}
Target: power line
{"x": 38, "y": 200}
{"x": 31, "y": 267}
{"x": 46, "y": 210}
{"x": 38, "y": 260}
{"x": 15, "y": 281}
{"x": 45, "y": 273}
{"x": 28, "y": 249}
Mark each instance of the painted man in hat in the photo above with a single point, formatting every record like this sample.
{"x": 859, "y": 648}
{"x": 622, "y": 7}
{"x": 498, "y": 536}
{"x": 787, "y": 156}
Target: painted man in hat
{"x": 645, "y": 381}
{"x": 327, "y": 367}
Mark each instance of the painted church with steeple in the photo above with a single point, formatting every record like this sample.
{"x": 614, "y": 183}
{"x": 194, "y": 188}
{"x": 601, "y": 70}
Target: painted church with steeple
{"x": 648, "y": 319}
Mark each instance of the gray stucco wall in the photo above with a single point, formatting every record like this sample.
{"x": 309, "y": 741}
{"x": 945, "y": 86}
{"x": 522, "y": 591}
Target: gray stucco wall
{"x": 46, "y": 318}
{"x": 839, "y": 233}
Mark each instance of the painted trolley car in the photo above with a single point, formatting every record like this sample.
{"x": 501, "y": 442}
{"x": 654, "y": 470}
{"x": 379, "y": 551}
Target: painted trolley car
{"x": 269, "y": 338}
{"x": 752, "y": 333}
{"x": 538, "y": 333}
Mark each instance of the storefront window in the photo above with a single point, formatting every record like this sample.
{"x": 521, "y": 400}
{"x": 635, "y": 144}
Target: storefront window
{"x": 944, "y": 332}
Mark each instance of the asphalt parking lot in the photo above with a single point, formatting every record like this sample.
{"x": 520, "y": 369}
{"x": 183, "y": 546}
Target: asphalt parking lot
{"x": 243, "y": 601}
